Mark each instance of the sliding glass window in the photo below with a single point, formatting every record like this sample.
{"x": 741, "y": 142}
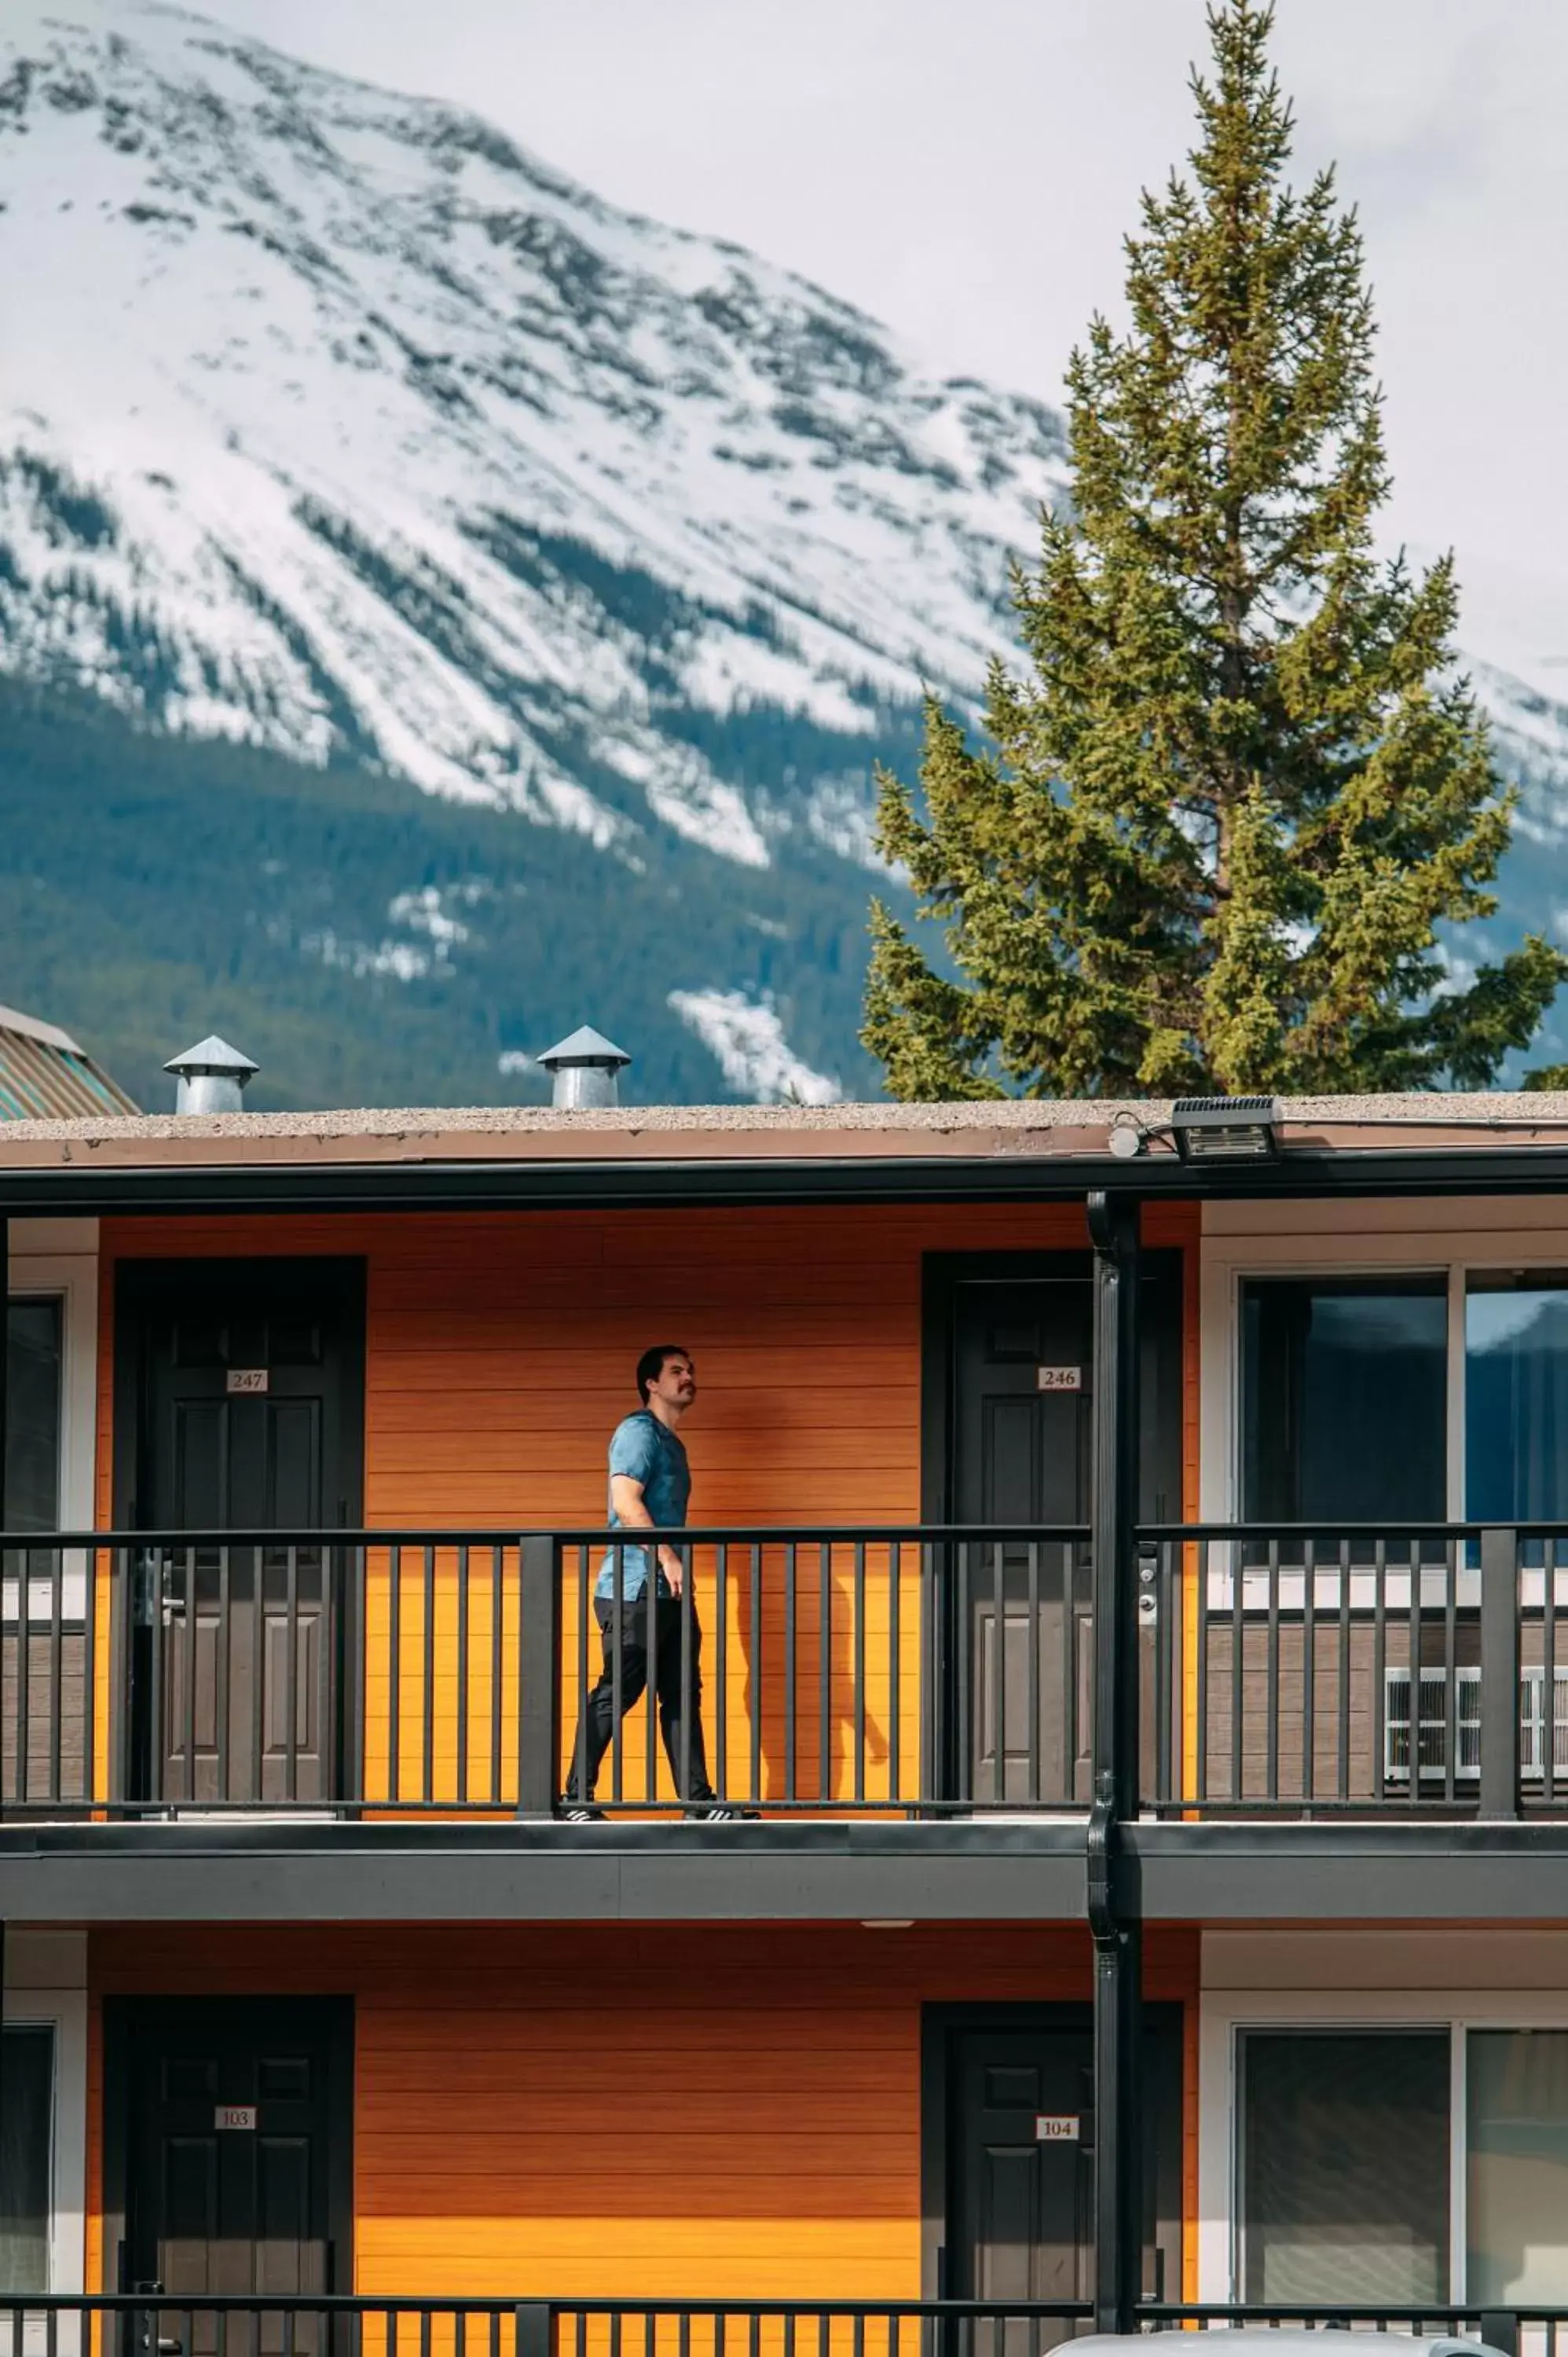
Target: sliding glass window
{"x": 1516, "y": 1396}
{"x": 26, "y": 2120}
{"x": 32, "y": 1402}
{"x": 1344, "y": 2165}
{"x": 1344, "y": 1389}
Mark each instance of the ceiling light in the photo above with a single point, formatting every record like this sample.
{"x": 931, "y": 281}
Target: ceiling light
{"x": 1226, "y": 1129}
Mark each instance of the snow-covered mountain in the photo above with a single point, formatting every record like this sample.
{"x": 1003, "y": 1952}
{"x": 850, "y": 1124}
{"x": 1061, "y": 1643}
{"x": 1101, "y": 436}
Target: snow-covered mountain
{"x": 333, "y": 424}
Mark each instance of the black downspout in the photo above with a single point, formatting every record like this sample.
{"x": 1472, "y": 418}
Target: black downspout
{"x": 1112, "y": 1898}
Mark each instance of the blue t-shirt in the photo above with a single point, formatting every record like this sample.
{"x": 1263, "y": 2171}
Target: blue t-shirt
{"x": 649, "y": 1452}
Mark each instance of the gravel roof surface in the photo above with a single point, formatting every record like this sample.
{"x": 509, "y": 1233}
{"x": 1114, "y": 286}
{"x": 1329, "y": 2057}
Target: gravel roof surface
{"x": 729, "y": 1127}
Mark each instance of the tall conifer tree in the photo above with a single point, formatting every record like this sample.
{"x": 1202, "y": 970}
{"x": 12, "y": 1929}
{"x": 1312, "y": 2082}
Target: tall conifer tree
{"x": 1214, "y": 829}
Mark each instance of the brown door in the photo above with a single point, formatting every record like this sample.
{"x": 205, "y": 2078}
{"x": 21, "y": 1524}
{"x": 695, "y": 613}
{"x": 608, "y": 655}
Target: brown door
{"x": 237, "y": 2119}
{"x": 1022, "y": 1422}
{"x": 1020, "y": 2106}
{"x": 248, "y": 1398}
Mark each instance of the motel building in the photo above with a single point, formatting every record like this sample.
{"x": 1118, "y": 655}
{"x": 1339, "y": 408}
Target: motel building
{"x": 1129, "y": 1559}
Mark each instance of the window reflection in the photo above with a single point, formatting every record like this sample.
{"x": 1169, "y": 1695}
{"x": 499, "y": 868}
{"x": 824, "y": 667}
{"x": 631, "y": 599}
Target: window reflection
{"x": 32, "y": 1401}
{"x": 1344, "y": 1386}
{"x": 1516, "y": 1397}
{"x": 1517, "y": 2172}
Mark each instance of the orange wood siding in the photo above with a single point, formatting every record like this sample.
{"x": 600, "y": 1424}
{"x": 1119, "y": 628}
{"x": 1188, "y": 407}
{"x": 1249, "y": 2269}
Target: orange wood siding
{"x": 500, "y": 1351}
{"x": 633, "y": 2112}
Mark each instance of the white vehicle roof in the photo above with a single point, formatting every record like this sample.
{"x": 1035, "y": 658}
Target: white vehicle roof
{"x": 1285, "y": 2340}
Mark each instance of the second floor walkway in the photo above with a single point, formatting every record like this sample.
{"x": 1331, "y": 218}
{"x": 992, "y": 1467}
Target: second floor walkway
{"x": 933, "y": 1683}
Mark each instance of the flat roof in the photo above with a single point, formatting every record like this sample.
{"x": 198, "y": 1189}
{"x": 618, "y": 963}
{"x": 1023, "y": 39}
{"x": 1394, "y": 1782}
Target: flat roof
{"x": 510, "y": 1156}
{"x": 1013, "y": 1126}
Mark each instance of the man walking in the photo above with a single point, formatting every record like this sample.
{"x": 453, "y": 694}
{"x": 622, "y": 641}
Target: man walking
{"x": 649, "y": 1487}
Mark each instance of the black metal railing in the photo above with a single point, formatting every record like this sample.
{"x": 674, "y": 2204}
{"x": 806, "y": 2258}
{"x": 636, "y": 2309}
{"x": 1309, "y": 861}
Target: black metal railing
{"x": 1382, "y": 1671}
{"x": 916, "y": 1672}
{"x": 913, "y": 1671}
{"x": 883, "y": 1669}
{"x": 202, "y": 2324}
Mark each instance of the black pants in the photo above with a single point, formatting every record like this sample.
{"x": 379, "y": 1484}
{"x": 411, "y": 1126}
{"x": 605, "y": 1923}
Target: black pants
{"x": 680, "y": 1700}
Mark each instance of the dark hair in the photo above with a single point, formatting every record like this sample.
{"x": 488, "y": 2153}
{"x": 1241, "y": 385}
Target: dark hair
{"x": 652, "y": 1365}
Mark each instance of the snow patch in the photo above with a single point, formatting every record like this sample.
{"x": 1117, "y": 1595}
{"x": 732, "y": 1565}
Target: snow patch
{"x": 748, "y": 1039}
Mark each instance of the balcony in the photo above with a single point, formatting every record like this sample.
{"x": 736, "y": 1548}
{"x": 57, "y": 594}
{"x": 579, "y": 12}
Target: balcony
{"x": 217, "y": 2324}
{"x": 882, "y": 1673}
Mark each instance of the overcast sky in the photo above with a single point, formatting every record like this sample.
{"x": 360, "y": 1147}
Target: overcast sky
{"x": 966, "y": 169}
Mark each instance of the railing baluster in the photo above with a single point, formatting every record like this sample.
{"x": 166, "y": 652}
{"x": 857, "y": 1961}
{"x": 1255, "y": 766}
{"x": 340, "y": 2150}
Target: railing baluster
{"x": 790, "y": 1791}
{"x": 758, "y": 1689}
{"x": 1342, "y": 1753}
{"x": 1201, "y": 1562}
{"x": 329, "y": 1616}
{"x": 860, "y": 1671}
{"x": 996, "y": 1684}
{"x": 22, "y": 1557}
{"x": 1548, "y": 1668}
{"x": 721, "y": 1666}
{"x": 90, "y": 1673}
{"x": 1072, "y": 1733}
{"x": 618, "y": 1669}
{"x": 359, "y": 1635}
{"x": 222, "y": 1699}
{"x": 57, "y": 1670}
{"x": 1309, "y": 1663}
{"x": 965, "y": 1761}
{"x": 1380, "y": 1670}
{"x": 688, "y": 1582}
{"x": 1451, "y": 1676}
{"x": 650, "y": 1714}
{"x": 824, "y": 1671}
{"x": 1031, "y": 1656}
{"x": 261, "y": 1684}
{"x": 894, "y": 1675}
{"x": 1416, "y": 1666}
{"x": 394, "y": 1670}
{"x": 291, "y": 1676}
{"x": 1238, "y": 1664}
{"x": 1272, "y": 1671}
{"x": 498, "y": 1657}
{"x": 1164, "y": 1658}
{"x": 462, "y": 1676}
{"x": 427, "y": 1715}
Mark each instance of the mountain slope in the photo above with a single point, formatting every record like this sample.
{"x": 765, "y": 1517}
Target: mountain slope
{"x": 334, "y": 426}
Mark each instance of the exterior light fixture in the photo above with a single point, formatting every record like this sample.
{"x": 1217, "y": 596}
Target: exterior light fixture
{"x": 1226, "y": 1129}
{"x": 1128, "y": 1137}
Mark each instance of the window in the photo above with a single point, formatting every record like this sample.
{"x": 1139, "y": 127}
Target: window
{"x": 1517, "y": 2166}
{"x": 1344, "y": 2165}
{"x": 1344, "y": 1384}
{"x": 26, "y": 2156}
{"x": 34, "y": 1358}
{"x": 1516, "y": 1396}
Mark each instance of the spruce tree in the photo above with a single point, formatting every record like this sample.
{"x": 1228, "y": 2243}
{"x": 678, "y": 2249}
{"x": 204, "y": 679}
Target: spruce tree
{"x": 1210, "y": 835}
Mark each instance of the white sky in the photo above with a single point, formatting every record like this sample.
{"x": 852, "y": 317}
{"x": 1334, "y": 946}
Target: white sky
{"x": 965, "y": 170}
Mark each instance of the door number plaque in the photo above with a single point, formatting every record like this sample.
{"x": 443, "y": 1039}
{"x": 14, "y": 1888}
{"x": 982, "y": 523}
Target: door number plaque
{"x": 1056, "y": 2128}
{"x": 231, "y": 2117}
{"x": 254, "y": 1379}
{"x": 1046, "y": 1379}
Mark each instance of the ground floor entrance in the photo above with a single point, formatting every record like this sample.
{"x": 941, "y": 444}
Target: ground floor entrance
{"x": 228, "y": 2159}
{"x": 1009, "y": 2165}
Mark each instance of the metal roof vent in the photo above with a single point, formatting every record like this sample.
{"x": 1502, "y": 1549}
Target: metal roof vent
{"x": 212, "y": 1077}
{"x": 586, "y": 1070}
